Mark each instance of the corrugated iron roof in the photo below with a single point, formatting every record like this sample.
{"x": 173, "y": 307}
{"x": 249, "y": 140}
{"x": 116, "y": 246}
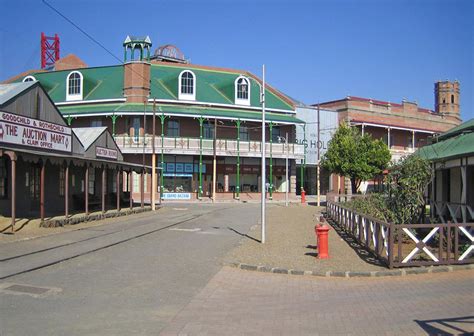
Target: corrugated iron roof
{"x": 87, "y": 135}
{"x": 463, "y": 128}
{"x": 8, "y": 91}
{"x": 449, "y": 148}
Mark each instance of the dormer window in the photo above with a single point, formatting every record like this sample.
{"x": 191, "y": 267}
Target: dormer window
{"x": 74, "y": 86}
{"x": 187, "y": 85}
{"x": 29, "y": 79}
{"x": 242, "y": 91}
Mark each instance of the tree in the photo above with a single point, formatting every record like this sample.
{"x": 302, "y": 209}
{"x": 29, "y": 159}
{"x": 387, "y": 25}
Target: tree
{"x": 406, "y": 184}
{"x": 356, "y": 156}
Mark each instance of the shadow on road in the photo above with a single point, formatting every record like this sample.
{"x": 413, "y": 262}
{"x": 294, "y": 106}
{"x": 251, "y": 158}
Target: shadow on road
{"x": 244, "y": 235}
{"x": 448, "y": 326}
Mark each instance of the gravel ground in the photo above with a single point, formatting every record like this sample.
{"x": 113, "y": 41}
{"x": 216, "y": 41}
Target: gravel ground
{"x": 291, "y": 244}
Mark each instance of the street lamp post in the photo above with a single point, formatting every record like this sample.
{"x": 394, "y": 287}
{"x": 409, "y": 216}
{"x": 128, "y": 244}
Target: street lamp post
{"x": 262, "y": 100}
{"x": 214, "y": 162}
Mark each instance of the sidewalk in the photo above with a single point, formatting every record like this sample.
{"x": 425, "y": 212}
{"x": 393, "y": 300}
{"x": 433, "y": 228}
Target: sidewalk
{"x": 253, "y": 303}
{"x": 291, "y": 244}
{"x": 29, "y": 228}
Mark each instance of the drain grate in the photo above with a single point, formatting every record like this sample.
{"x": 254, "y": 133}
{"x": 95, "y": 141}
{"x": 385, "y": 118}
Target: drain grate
{"x": 27, "y": 289}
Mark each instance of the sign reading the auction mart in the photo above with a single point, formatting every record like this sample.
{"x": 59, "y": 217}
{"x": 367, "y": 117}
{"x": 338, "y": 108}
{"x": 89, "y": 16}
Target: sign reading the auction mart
{"x": 106, "y": 153}
{"x": 41, "y": 135}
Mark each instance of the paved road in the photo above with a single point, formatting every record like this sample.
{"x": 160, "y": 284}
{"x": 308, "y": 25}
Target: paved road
{"x": 129, "y": 277}
{"x": 237, "y": 302}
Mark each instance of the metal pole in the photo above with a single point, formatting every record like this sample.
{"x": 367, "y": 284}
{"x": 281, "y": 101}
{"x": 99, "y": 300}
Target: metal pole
{"x": 286, "y": 169}
{"x": 318, "y": 187}
{"x": 303, "y": 162}
{"x": 262, "y": 99}
{"x": 271, "y": 160}
{"x": 201, "y": 120}
{"x": 238, "y": 159}
{"x": 153, "y": 162}
{"x": 214, "y": 163}
{"x": 162, "y": 117}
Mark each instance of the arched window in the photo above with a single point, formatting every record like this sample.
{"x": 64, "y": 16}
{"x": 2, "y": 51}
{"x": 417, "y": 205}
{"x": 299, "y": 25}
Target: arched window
{"x": 74, "y": 85}
{"x": 29, "y": 79}
{"x": 242, "y": 91}
{"x": 187, "y": 85}
{"x": 452, "y": 99}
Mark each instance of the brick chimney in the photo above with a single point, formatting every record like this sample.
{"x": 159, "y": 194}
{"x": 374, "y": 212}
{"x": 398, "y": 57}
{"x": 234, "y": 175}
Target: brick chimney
{"x": 136, "y": 81}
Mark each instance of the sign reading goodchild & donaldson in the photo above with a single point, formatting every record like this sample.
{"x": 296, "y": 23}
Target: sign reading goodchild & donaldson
{"x": 106, "y": 153}
{"x": 42, "y": 135}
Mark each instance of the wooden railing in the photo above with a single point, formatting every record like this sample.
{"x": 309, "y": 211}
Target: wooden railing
{"x": 402, "y": 245}
{"x": 224, "y": 147}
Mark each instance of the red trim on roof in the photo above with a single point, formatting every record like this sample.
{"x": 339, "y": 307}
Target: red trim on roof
{"x": 375, "y": 101}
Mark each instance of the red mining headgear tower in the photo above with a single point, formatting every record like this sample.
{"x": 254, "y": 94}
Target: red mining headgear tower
{"x": 49, "y": 50}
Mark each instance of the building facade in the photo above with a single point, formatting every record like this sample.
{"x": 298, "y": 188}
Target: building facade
{"x": 451, "y": 192}
{"x": 197, "y": 113}
{"x": 77, "y": 168}
{"x": 403, "y": 127}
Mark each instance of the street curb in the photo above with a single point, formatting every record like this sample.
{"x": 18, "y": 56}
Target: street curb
{"x": 91, "y": 217}
{"x": 353, "y": 274}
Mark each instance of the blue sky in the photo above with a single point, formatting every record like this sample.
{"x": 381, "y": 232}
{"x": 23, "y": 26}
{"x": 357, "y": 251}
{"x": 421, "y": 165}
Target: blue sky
{"x": 314, "y": 51}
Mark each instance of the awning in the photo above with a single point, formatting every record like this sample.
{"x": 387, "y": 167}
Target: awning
{"x": 176, "y": 110}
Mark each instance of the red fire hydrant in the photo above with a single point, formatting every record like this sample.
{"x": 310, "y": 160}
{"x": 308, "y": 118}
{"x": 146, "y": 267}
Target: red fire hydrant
{"x": 303, "y": 196}
{"x": 322, "y": 239}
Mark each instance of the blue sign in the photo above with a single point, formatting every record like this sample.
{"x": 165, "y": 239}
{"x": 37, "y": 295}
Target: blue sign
{"x": 170, "y": 167}
{"x": 179, "y": 167}
{"x": 177, "y": 175}
{"x": 176, "y": 196}
{"x": 188, "y": 167}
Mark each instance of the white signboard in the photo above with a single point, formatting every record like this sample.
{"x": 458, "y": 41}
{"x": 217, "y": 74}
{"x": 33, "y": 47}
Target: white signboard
{"x": 176, "y": 196}
{"x": 19, "y": 130}
{"x": 106, "y": 153}
{"x": 328, "y": 125}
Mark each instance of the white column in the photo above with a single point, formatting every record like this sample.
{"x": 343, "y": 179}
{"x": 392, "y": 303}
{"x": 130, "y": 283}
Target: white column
{"x": 413, "y": 139}
{"x": 388, "y": 137}
{"x": 363, "y": 127}
{"x": 463, "y": 191}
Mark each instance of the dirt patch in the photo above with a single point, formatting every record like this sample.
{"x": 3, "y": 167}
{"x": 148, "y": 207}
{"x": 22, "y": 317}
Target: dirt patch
{"x": 291, "y": 244}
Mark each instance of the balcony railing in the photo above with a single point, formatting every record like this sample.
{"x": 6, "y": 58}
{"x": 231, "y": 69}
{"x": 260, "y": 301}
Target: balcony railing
{"x": 224, "y": 147}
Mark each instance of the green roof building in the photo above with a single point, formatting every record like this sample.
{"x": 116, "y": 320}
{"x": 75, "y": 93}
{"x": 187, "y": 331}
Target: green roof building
{"x": 452, "y": 191}
{"x": 196, "y": 112}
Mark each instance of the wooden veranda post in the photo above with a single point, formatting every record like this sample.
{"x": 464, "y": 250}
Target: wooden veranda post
{"x": 103, "y": 189}
{"x": 86, "y": 190}
{"x": 142, "y": 190}
{"x": 118, "y": 189}
{"x": 42, "y": 185}
{"x": 66, "y": 190}
{"x": 130, "y": 181}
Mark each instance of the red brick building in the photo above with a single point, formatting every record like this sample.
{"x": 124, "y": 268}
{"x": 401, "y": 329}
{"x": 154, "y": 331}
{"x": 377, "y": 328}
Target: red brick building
{"x": 404, "y": 127}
